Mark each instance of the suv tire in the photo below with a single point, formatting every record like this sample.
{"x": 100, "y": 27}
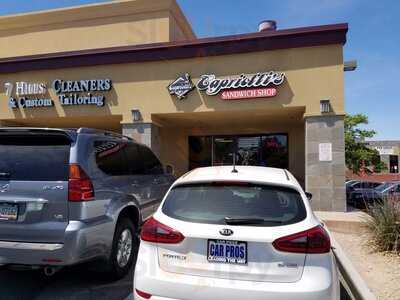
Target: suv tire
{"x": 124, "y": 249}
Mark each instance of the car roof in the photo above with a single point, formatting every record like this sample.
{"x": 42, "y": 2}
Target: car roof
{"x": 72, "y": 132}
{"x": 264, "y": 175}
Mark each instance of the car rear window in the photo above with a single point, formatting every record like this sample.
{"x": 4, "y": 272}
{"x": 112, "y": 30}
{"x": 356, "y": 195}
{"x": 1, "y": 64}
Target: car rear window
{"x": 34, "y": 157}
{"x": 212, "y": 203}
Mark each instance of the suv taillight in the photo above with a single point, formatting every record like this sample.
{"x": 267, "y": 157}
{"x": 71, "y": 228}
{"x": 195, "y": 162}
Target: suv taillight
{"x": 80, "y": 187}
{"x": 314, "y": 240}
{"x": 156, "y": 232}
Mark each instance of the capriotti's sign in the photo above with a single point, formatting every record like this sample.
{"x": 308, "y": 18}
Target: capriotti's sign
{"x": 244, "y": 86}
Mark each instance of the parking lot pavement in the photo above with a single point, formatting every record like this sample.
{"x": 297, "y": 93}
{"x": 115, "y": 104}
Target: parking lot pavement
{"x": 73, "y": 283}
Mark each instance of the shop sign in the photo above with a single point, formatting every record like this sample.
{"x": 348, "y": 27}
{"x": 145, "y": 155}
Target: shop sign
{"x": 27, "y": 94}
{"x": 81, "y": 92}
{"x": 181, "y": 86}
{"x": 241, "y": 87}
{"x": 385, "y": 150}
{"x": 23, "y": 94}
{"x": 244, "y": 86}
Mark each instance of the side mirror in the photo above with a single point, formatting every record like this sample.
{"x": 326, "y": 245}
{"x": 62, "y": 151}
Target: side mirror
{"x": 169, "y": 170}
{"x": 309, "y": 196}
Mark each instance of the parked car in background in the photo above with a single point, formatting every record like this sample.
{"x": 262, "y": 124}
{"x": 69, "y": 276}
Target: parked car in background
{"x": 353, "y": 185}
{"x": 244, "y": 233}
{"x": 70, "y": 196}
{"x": 361, "y": 198}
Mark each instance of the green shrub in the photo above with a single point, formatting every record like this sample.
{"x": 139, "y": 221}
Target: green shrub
{"x": 384, "y": 222}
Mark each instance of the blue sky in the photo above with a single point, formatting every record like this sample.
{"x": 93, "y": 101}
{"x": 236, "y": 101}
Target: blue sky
{"x": 373, "y": 39}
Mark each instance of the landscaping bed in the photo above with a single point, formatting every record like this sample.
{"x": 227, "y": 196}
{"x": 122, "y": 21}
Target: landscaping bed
{"x": 380, "y": 270}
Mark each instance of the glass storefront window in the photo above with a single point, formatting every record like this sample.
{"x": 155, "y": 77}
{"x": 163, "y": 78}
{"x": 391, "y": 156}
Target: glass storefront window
{"x": 223, "y": 151}
{"x": 274, "y": 151}
{"x": 200, "y": 151}
{"x": 269, "y": 150}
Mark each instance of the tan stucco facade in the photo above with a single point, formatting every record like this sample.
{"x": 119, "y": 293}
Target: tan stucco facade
{"x": 312, "y": 74}
{"x": 110, "y": 24}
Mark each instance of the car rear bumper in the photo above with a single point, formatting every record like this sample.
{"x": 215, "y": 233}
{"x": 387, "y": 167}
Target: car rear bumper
{"x": 82, "y": 241}
{"x": 319, "y": 281}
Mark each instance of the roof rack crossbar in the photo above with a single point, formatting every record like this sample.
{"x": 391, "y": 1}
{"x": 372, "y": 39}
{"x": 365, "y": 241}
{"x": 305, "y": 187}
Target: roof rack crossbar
{"x": 105, "y": 132}
{"x": 287, "y": 175}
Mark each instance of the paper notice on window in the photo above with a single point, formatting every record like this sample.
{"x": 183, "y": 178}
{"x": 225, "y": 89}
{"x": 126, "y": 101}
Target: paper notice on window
{"x": 325, "y": 152}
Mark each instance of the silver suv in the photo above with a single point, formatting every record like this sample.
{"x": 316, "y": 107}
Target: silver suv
{"x": 74, "y": 195}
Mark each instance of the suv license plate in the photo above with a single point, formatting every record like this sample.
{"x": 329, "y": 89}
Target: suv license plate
{"x": 228, "y": 252}
{"x": 8, "y": 212}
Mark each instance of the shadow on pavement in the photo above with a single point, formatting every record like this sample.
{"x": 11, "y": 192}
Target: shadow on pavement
{"x": 72, "y": 283}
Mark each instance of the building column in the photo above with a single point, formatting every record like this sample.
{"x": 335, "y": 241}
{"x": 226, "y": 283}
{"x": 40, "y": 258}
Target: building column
{"x": 325, "y": 178}
{"x": 145, "y": 133}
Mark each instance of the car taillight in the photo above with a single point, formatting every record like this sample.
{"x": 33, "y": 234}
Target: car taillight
{"x": 80, "y": 187}
{"x": 156, "y": 232}
{"x": 143, "y": 294}
{"x": 314, "y": 240}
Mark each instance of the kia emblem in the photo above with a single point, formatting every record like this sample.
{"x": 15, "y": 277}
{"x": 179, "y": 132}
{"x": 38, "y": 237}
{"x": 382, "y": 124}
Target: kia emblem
{"x": 226, "y": 232}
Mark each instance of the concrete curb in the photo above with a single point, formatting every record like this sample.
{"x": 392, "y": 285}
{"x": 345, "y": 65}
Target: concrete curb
{"x": 358, "y": 287}
{"x": 345, "y": 222}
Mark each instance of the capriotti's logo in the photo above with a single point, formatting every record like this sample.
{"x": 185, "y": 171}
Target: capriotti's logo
{"x": 27, "y": 94}
{"x": 243, "y": 86}
{"x": 181, "y": 86}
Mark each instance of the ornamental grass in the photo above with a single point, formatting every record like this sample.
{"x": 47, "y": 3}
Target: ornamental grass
{"x": 384, "y": 223}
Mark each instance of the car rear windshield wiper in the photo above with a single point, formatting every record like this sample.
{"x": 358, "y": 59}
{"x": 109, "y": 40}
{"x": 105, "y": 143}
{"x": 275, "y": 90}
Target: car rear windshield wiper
{"x": 248, "y": 221}
{"x": 5, "y": 174}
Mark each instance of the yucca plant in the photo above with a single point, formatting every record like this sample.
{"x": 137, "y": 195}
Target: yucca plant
{"x": 384, "y": 222}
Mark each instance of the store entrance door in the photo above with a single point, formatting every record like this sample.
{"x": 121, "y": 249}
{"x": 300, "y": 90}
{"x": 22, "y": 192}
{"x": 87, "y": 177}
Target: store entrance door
{"x": 393, "y": 164}
{"x": 254, "y": 150}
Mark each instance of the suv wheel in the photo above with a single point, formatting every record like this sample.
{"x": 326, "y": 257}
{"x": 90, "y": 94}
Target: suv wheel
{"x": 124, "y": 249}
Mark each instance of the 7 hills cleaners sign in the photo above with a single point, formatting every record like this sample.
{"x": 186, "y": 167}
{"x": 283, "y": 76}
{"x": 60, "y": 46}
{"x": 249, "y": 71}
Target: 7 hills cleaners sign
{"x": 81, "y": 92}
{"x": 244, "y": 86}
{"x": 27, "y": 94}
{"x": 69, "y": 93}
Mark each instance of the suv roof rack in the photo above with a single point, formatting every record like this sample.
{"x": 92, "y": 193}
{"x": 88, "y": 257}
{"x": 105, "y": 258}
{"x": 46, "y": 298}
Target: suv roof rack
{"x": 105, "y": 132}
{"x": 287, "y": 175}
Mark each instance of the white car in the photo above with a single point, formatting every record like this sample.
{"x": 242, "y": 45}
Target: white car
{"x": 235, "y": 233}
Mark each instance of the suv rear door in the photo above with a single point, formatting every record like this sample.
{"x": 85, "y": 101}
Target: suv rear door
{"x": 157, "y": 181}
{"x": 34, "y": 169}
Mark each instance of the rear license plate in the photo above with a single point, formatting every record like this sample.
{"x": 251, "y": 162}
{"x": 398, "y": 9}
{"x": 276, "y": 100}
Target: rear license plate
{"x": 228, "y": 252}
{"x": 8, "y": 212}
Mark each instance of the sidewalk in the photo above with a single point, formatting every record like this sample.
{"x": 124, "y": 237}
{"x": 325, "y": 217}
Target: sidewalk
{"x": 352, "y": 221}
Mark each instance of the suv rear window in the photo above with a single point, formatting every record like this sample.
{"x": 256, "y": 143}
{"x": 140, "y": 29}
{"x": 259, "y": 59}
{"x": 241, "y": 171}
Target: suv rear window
{"x": 34, "y": 157}
{"x": 212, "y": 203}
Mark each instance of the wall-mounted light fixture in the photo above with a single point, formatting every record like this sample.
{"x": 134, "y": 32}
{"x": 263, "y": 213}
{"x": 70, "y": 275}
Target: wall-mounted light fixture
{"x": 325, "y": 106}
{"x": 136, "y": 115}
{"x": 350, "y": 65}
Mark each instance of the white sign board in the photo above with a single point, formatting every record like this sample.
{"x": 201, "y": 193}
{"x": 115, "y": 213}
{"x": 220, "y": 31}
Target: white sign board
{"x": 325, "y": 152}
{"x": 385, "y": 150}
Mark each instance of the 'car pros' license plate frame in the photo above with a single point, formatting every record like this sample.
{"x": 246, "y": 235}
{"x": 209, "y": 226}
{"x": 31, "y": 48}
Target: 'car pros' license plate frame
{"x": 8, "y": 212}
{"x": 227, "y": 252}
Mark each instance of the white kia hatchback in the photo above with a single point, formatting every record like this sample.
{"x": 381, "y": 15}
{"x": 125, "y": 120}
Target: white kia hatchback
{"x": 244, "y": 233}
